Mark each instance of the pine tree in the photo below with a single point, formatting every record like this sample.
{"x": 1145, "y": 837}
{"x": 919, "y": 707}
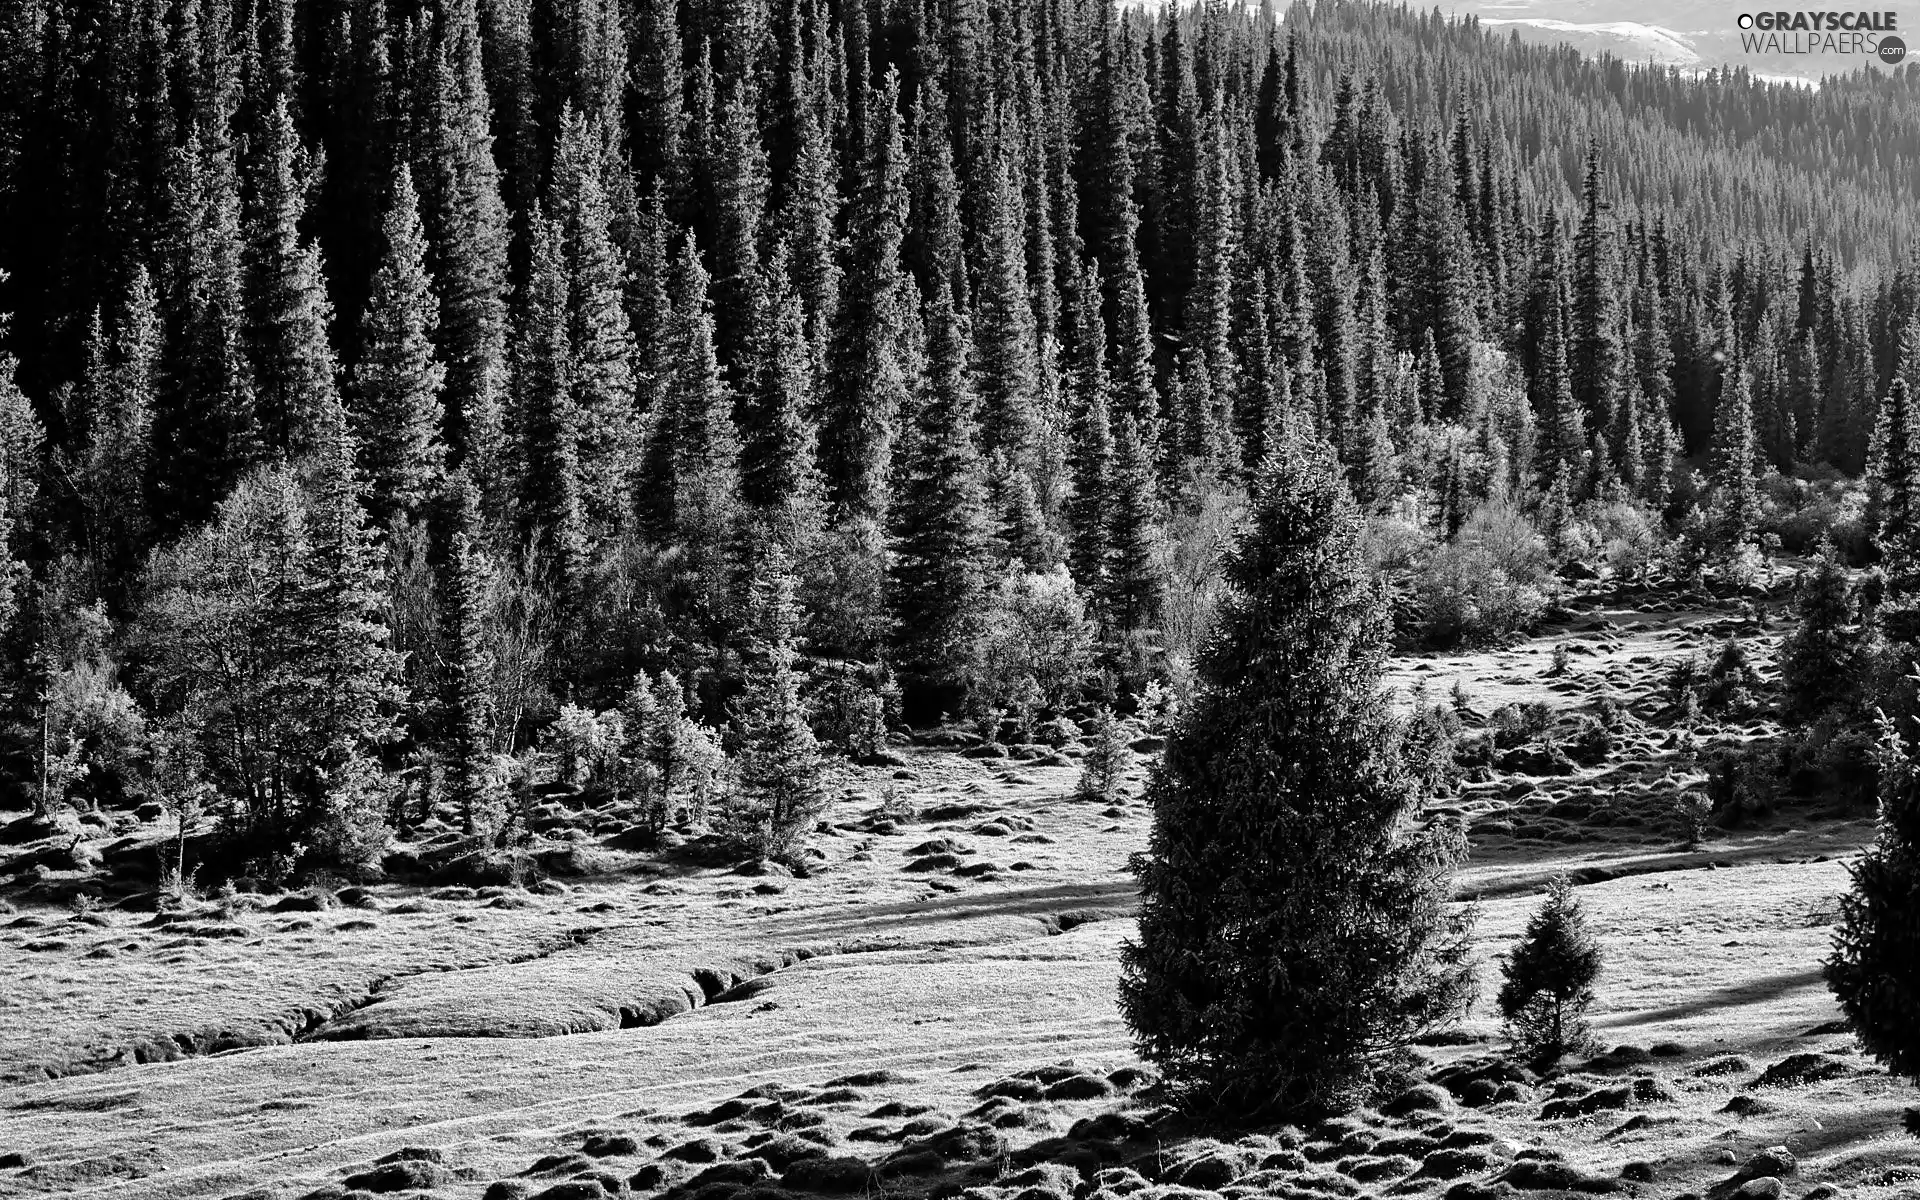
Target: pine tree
{"x": 1895, "y": 488}
{"x": 778, "y": 476}
{"x": 705, "y": 456}
{"x": 598, "y": 335}
{"x": 1595, "y": 353}
{"x": 287, "y": 305}
{"x": 468, "y": 663}
{"x": 548, "y": 420}
{"x": 781, "y": 774}
{"x": 344, "y": 657}
{"x": 206, "y": 424}
{"x": 1736, "y": 496}
{"x": 1107, "y": 762}
{"x": 1818, "y": 660}
{"x": 1092, "y": 454}
{"x": 1294, "y": 927}
{"x": 1547, "y": 982}
{"x": 468, "y": 242}
{"x": 940, "y": 530}
{"x": 865, "y": 387}
{"x": 1874, "y": 969}
{"x": 740, "y": 196}
{"x": 397, "y": 381}
{"x": 1134, "y": 590}
{"x": 118, "y": 458}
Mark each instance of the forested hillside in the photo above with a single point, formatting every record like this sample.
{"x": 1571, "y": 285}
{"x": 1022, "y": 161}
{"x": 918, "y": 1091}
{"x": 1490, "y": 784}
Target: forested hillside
{"x": 411, "y": 400}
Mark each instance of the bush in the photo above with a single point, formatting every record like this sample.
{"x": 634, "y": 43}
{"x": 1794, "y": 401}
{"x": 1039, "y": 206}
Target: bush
{"x": 1618, "y": 533}
{"x": 1517, "y": 724}
{"x": 1490, "y": 581}
{"x": 1816, "y": 505}
{"x": 1108, "y": 760}
{"x": 586, "y": 745}
{"x": 1547, "y": 982}
{"x": 853, "y": 707}
{"x": 1590, "y": 742}
{"x": 1037, "y": 655}
{"x": 1739, "y": 787}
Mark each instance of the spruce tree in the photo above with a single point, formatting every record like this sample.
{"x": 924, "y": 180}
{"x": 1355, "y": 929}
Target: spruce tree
{"x": 1895, "y": 487}
{"x": 940, "y": 530}
{"x": 468, "y": 236}
{"x": 705, "y": 455}
{"x": 467, "y": 661}
{"x": 1133, "y": 591}
{"x": 598, "y": 336}
{"x": 865, "y": 387}
{"x": 1294, "y": 928}
{"x": 1874, "y": 969}
{"x": 781, "y": 773}
{"x": 398, "y": 379}
{"x": 118, "y": 459}
{"x": 548, "y": 420}
{"x": 1547, "y": 982}
{"x": 1735, "y": 494}
{"x": 778, "y": 475}
{"x": 287, "y": 305}
{"x": 1819, "y": 668}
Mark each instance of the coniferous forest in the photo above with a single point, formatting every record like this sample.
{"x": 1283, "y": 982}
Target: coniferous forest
{"x": 466, "y": 443}
{"x": 397, "y": 389}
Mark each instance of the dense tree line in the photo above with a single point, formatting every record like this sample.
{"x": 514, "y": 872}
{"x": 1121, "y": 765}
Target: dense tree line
{"x": 390, "y": 380}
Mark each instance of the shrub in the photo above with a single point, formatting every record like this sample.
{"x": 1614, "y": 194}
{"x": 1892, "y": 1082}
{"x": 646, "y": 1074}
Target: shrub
{"x": 1816, "y": 505}
{"x": 1731, "y": 683}
{"x": 586, "y": 745}
{"x": 1590, "y": 742}
{"x": 1547, "y": 982}
{"x": 1738, "y": 787}
{"x": 1693, "y": 811}
{"x": 1107, "y": 762}
{"x": 1517, "y": 724}
{"x": 853, "y": 707}
{"x": 1489, "y": 581}
{"x": 1037, "y": 655}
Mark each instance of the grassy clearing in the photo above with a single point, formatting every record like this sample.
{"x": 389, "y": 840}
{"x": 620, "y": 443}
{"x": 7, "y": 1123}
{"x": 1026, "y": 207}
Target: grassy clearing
{"x": 600, "y": 1030}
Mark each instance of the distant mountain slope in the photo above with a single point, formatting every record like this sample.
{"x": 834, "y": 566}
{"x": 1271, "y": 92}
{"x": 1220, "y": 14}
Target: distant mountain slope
{"x": 1686, "y": 35}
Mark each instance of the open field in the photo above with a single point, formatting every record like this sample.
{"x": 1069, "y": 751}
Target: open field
{"x": 932, "y": 1007}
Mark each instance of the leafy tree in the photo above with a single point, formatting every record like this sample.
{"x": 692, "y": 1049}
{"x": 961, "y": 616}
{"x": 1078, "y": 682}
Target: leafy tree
{"x": 1547, "y": 982}
{"x": 1294, "y": 926}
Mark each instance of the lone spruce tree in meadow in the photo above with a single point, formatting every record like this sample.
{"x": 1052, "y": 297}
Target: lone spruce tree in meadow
{"x": 1294, "y": 929}
{"x": 1548, "y": 982}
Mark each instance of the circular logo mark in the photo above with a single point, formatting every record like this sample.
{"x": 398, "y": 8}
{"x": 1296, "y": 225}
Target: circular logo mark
{"x": 1892, "y": 50}
{"x": 1745, "y": 21}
